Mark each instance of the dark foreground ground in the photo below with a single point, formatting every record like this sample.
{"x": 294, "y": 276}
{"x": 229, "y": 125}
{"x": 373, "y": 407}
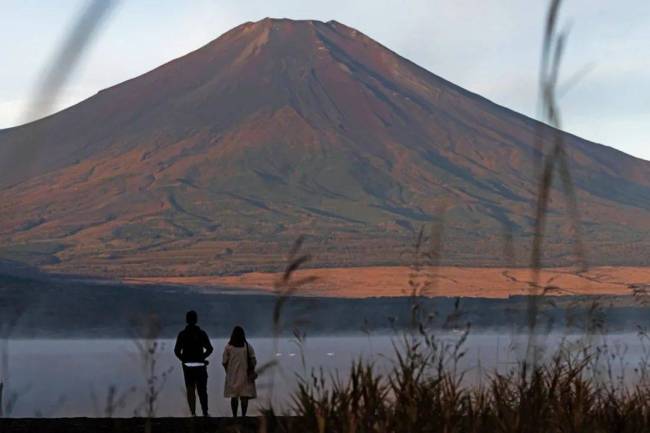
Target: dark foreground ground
{"x": 133, "y": 425}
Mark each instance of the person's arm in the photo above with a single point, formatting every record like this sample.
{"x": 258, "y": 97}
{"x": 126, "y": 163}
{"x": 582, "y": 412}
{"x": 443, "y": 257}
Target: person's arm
{"x": 178, "y": 347}
{"x": 207, "y": 346}
{"x": 225, "y": 358}
{"x": 251, "y": 354}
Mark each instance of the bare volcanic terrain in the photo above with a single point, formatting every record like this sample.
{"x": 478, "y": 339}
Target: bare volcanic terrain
{"x": 215, "y": 162}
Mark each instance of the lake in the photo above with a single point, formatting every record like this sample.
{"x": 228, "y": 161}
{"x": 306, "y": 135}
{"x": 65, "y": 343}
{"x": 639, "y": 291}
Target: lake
{"x": 66, "y": 378}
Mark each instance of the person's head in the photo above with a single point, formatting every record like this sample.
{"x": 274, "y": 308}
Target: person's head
{"x": 238, "y": 337}
{"x": 191, "y": 317}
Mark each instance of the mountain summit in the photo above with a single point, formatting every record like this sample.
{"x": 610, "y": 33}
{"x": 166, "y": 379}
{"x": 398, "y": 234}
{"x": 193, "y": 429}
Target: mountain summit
{"x": 216, "y": 161}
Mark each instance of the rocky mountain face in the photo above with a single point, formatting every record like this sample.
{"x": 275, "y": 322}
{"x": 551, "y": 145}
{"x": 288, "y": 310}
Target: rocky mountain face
{"x": 215, "y": 162}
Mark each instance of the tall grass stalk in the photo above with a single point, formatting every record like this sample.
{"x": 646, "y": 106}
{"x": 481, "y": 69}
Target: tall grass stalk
{"x": 8, "y": 397}
{"x": 149, "y": 351}
{"x": 551, "y": 160}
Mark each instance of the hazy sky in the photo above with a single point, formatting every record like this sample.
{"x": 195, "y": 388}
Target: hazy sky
{"x": 490, "y": 47}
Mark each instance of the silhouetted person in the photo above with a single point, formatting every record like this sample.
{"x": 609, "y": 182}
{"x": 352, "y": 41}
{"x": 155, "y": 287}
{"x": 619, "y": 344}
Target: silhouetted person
{"x": 192, "y": 348}
{"x": 239, "y": 361}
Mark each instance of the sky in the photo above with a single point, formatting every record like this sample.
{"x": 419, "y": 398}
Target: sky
{"x": 490, "y": 47}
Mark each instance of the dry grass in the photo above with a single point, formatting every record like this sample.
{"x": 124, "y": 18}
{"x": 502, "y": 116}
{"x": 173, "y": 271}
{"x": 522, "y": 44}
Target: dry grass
{"x": 149, "y": 351}
{"x": 423, "y": 392}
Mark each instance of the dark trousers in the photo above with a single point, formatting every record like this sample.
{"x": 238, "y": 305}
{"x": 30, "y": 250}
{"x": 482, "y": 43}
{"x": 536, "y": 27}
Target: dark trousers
{"x": 196, "y": 382}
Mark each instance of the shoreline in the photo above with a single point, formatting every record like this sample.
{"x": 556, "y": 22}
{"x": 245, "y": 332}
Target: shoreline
{"x": 448, "y": 281}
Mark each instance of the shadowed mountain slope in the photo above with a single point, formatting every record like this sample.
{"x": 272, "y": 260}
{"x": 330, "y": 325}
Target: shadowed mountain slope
{"x": 216, "y": 161}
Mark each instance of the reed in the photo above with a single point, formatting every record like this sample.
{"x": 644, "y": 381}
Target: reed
{"x": 416, "y": 395}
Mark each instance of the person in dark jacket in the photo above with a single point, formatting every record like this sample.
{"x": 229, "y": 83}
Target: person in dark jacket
{"x": 193, "y": 348}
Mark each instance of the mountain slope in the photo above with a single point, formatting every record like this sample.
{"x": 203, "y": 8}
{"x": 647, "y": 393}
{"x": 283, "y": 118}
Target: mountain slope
{"x": 216, "y": 161}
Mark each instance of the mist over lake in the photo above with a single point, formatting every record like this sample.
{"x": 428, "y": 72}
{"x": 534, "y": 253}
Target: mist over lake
{"x": 71, "y": 377}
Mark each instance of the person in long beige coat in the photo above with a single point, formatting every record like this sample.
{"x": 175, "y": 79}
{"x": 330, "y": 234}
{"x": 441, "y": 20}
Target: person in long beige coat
{"x": 239, "y": 360}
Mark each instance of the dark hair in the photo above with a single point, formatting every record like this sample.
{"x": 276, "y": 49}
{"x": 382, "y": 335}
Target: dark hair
{"x": 191, "y": 317}
{"x": 238, "y": 337}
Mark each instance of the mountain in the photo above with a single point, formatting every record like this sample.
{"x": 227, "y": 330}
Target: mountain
{"x": 215, "y": 162}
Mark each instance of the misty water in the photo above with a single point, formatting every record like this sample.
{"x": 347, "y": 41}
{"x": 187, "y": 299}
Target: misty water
{"x": 56, "y": 378}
